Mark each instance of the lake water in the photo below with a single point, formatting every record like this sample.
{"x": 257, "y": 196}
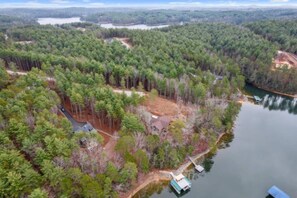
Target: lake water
{"x": 132, "y": 27}
{"x": 261, "y": 154}
{"x": 57, "y": 21}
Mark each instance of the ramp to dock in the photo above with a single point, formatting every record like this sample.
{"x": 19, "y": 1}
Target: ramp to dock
{"x": 197, "y": 167}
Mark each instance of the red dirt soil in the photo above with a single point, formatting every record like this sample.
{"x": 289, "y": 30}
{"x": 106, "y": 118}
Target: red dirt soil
{"x": 161, "y": 107}
{"x": 285, "y": 58}
{"x": 125, "y": 41}
{"x": 164, "y": 107}
{"x": 201, "y": 147}
{"x": 86, "y": 116}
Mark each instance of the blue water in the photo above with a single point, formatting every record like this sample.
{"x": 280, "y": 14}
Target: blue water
{"x": 263, "y": 153}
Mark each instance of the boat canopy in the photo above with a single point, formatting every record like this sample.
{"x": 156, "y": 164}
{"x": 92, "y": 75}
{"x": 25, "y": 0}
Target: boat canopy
{"x": 277, "y": 193}
{"x": 257, "y": 98}
{"x": 180, "y": 183}
{"x": 179, "y": 177}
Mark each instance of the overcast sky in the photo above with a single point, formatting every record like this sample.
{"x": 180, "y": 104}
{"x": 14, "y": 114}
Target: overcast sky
{"x": 144, "y": 3}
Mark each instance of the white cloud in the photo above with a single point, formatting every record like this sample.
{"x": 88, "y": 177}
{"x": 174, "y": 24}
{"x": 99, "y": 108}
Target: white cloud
{"x": 172, "y": 5}
{"x": 95, "y": 4}
{"x": 184, "y": 3}
{"x": 279, "y": 1}
{"x": 60, "y": 1}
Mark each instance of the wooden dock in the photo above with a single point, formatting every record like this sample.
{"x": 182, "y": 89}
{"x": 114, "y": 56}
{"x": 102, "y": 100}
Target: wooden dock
{"x": 197, "y": 167}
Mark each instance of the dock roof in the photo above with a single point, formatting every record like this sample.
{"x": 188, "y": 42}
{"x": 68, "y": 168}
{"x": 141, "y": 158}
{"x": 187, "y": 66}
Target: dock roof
{"x": 257, "y": 98}
{"x": 277, "y": 193}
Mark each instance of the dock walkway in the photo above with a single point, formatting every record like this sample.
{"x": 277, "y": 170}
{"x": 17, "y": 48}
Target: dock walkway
{"x": 197, "y": 167}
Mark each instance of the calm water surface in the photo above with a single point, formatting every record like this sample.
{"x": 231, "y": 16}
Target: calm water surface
{"x": 57, "y": 21}
{"x": 262, "y": 154}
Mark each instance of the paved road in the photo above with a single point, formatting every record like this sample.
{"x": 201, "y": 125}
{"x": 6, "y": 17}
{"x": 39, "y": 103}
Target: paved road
{"x": 75, "y": 125}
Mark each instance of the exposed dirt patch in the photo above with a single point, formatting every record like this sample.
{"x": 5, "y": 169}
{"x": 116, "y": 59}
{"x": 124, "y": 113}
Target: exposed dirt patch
{"x": 125, "y": 41}
{"x": 285, "y": 59}
{"x": 109, "y": 149}
{"x": 161, "y": 107}
{"x": 164, "y": 107}
{"x": 201, "y": 147}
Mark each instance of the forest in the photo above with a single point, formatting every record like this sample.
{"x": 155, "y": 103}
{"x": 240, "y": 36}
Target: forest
{"x": 282, "y": 33}
{"x": 159, "y": 17}
{"x": 128, "y": 16}
{"x": 199, "y": 67}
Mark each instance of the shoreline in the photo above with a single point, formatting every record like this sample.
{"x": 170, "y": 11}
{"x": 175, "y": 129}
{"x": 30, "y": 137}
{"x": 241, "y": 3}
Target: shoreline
{"x": 164, "y": 175}
{"x": 157, "y": 175}
{"x": 275, "y": 92}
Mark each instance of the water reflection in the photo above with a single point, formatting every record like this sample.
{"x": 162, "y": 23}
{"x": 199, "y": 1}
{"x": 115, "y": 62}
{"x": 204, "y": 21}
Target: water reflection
{"x": 273, "y": 102}
{"x": 223, "y": 144}
{"x": 279, "y": 103}
{"x": 154, "y": 188}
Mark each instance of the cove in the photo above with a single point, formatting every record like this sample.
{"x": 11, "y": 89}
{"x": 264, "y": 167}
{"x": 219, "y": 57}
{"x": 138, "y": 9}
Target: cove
{"x": 261, "y": 153}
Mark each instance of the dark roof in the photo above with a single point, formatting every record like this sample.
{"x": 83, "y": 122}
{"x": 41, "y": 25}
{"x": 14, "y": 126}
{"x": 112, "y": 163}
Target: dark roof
{"x": 161, "y": 122}
{"x": 85, "y": 128}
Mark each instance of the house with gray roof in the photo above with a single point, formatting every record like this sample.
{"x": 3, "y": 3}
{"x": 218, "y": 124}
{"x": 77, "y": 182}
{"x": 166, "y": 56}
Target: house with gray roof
{"x": 159, "y": 125}
{"x": 86, "y": 127}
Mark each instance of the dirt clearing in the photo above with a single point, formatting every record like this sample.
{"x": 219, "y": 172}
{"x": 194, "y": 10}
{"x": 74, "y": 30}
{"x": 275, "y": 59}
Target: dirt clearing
{"x": 284, "y": 58}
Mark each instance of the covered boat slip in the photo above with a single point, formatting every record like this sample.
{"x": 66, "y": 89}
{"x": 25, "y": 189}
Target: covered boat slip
{"x": 180, "y": 183}
{"x": 277, "y": 193}
{"x": 257, "y": 99}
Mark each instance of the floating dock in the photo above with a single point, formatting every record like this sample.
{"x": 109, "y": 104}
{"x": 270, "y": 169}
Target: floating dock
{"x": 180, "y": 183}
{"x": 197, "y": 167}
{"x": 277, "y": 193}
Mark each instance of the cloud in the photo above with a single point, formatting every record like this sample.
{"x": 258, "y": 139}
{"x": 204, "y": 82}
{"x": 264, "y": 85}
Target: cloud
{"x": 60, "y": 1}
{"x": 95, "y": 4}
{"x": 279, "y": 1}
{"x": 170, "y": 5}
{"x": 184, "y": 3}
